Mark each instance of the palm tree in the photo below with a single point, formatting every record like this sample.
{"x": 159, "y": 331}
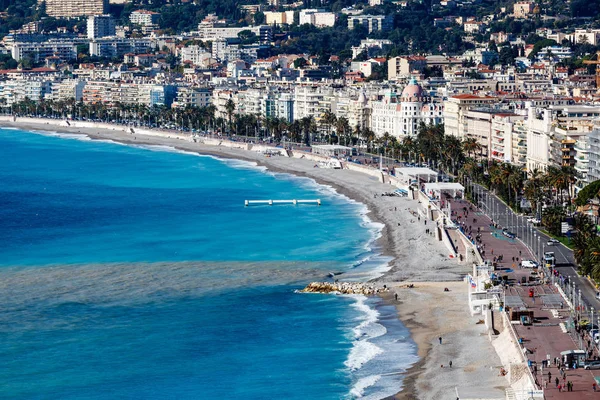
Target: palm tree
{"x": 328, "y": 119}
{"x": 230, "y": 108}
{"x": 342, "y": 126}
{"x": 471, "y": 146}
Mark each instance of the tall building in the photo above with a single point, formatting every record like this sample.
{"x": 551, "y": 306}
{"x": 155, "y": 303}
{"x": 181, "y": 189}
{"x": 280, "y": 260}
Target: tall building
{"x": 74, "y": 8}
{"x": 99, "y": 26}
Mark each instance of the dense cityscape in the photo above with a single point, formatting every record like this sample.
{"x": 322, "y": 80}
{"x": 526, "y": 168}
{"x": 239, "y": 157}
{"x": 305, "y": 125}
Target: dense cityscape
{"x": 501, "y": 97}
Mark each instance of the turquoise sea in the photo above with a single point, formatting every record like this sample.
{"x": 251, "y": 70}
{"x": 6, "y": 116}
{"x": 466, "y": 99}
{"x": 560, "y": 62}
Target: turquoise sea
{"x": 137, "y": 272}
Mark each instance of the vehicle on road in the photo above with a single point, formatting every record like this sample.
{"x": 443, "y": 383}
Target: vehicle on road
{"x": 529, "y": 264}
{"x": 552, "y": 242}
{"x": 534, "y": 220}
{"x": 508, "y": 234}
{"x": 595, "y": 364}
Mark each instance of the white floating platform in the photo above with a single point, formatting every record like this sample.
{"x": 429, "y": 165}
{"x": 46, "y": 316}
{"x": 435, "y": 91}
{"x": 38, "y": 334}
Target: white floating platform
{"x": 272, "y": 202}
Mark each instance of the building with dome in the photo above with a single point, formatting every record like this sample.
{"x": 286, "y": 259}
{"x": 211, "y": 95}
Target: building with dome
{"x": 401, "y": 115}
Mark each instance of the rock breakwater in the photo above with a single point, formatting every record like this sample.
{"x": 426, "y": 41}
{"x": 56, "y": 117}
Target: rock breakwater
{"x": 343, "y": 288}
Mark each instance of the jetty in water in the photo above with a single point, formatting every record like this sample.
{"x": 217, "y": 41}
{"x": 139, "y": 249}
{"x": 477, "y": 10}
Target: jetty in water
{"x": 273, "y": 202}
{"x": 343, "y": 288}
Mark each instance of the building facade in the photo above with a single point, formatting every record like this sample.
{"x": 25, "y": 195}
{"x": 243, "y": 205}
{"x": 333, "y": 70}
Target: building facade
{"x": 99, "y": 26}
{"x": 75, "y": 8}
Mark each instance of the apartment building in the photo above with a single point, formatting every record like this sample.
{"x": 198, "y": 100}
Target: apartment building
{"x": 195, "y": 54}
{"x": 508, "y": 139}
{"x": 279, "y": 18}
{"x": 189, "y": 96}
{"x": 371, "y": 22}
{"x": 456, "y": 108}
{"x": 144, "y": 17}
{"x": 39, "y": 51}
{"x": 15, "y": 91}
{"x": 118, "y": 47}
{"x": 74, "y": 8}
{"x": 68, "y": 89}
{"x": 317, "y": 18}
{"x": 594, "y": 155}
{"x": 99, "y": 26}
{"x": 264, "y": 33}
{"x": 404, "y": 66}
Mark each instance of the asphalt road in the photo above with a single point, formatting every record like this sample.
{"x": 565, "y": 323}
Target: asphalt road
{"x": 536, "y": 241}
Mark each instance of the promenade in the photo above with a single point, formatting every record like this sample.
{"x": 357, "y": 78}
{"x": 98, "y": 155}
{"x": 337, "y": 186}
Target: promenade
{"x": 545, "y": 339}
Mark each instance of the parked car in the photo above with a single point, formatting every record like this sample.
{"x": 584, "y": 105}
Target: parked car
{"x": 552, "y": 242}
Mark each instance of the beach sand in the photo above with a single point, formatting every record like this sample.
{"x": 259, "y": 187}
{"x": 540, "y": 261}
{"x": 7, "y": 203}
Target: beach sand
{"x": 430, "y": 313}
{"x": 427, "y": 311}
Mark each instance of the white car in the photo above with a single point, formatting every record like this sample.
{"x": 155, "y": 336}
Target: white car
{"x": 552, "y": 242}
{"x": 529, "y": 264}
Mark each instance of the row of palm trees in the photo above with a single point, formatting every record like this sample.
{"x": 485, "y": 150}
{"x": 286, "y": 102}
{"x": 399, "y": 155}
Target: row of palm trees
{"x": 549, "y": 193}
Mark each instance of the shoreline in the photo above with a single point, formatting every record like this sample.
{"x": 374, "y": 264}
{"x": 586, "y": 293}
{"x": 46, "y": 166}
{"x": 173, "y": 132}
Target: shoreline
{"x": 391, "y": 212}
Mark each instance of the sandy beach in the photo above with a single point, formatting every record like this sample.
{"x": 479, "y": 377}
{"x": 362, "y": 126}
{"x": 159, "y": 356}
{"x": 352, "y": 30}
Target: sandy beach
{"x": 426, "y": 310}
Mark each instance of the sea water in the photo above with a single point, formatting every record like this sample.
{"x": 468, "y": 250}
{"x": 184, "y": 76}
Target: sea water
{"x": 137, "y": 272}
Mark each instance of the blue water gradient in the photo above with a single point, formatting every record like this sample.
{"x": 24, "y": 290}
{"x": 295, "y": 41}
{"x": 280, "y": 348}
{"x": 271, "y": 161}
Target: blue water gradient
{"x": 130, "y": 272}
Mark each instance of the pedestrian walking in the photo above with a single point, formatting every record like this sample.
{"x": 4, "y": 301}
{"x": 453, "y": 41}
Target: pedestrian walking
{"x": 396, "y": 296}
{"x": 594, "y": 386}
{"x": 450, "y": 363}
{"x": 559, "y": 388}
{"x": 549, "y": 375}
{"x": 440, "y": 339}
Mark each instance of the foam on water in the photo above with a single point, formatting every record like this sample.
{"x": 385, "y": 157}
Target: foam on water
{"x": 358, "y": 390}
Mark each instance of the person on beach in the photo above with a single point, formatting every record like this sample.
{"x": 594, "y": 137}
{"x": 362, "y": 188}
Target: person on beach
{"x": 440, "y": 339}
{"x": 450, "y": 363}
{"x": 396, "y": 296}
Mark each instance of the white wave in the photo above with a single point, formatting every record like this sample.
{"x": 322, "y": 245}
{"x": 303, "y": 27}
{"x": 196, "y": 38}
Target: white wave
{"x": 362, "y": 352}
{"x": 62, "y": 135}
{"x": 164, "y": 148}
{"x": 369, "y": 328}
{"x": 358, "y": 390}
{"x": 243, "y": 164}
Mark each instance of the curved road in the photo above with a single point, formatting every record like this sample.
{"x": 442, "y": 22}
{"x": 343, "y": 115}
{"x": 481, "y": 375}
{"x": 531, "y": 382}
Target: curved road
{"x": 536, "y": 241}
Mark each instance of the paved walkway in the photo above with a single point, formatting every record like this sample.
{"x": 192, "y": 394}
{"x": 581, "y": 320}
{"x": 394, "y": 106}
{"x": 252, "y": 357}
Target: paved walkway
{"x": 545, "y": 338}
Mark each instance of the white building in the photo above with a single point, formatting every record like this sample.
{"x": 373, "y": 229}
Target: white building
{"x": 118, "y": 47}
{"x": 197, "y": 55}
{"x": 371, "y": 22}
{"x": 68, "y": 89}
{"x": 99, "y": 26}
{"x": 39, "y": 51}
{"x": 74, "y": 8}
{"x": 279, "y": 18}
{"x": 317, "y": 18}
{"x": 401, "y": 116}
{"x": 456, "y": 108}
{"x": 144, "y": 17}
